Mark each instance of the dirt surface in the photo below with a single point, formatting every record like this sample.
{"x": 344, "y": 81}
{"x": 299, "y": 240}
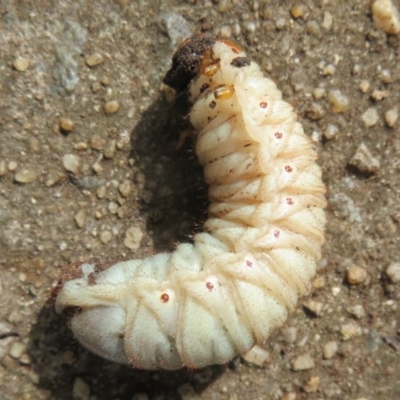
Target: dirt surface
{"x": 72, "y": 194}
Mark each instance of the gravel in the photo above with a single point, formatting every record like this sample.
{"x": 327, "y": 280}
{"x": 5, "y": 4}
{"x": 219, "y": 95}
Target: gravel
{"x": 303, "y": 362}
{"x": 370, "y": 117}
{"x": 119, "y": 171}
{"x": 393, "y": 272}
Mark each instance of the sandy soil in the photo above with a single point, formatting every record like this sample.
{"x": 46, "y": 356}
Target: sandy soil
{"x": 125, "y": 172}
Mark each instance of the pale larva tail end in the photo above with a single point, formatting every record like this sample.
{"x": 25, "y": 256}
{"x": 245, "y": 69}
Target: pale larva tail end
{"x": 101, "y": 330}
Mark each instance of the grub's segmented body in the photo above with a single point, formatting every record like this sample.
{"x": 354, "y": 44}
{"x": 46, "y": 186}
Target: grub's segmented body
{"x": 208, "y": 301}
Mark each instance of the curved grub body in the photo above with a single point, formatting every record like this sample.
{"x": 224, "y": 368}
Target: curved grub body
{"x": 209, "y": 301}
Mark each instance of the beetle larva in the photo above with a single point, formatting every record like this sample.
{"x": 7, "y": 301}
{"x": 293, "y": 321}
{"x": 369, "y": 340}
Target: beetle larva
{"x": 209, "y": 301}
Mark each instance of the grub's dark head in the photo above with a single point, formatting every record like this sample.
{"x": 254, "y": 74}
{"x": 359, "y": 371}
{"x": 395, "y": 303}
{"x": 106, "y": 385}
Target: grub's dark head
{"x": 187, "y": 60}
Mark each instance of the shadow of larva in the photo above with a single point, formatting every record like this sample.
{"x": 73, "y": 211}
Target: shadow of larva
{"x": 57, "y": 361}
{"x": 208, "y": 301}
{"x": 177, "y": 206}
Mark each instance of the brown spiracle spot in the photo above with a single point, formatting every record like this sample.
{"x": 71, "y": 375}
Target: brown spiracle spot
{"x": 240, "y": 62}
{"x": 209, "y": 286}
{"x": 288, "y": 168}
{"x": 289, "y": 201}
{"x": 263, "y": 104}
{"x": 278, "y": 135}
{"x": 249, "y": 263}
{"x": 277, "y": 233}
{"x": 164, "y": 298}
{"x": 212, "y": 104}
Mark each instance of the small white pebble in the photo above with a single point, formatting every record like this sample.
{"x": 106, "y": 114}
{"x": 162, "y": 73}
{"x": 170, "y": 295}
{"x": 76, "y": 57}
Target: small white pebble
{"x": 385, "y": 76}
{"x": 110, "y": 148}
{"x": 112, "y": 207}
{"x": 25, "y": 359}
{"x": 17, "y": 349}
{"x": 298, "y": 11}
{"x": 25, "y": 176}
{"x": 316, "y": 136}
{"x": 312, "y": 385}
{"x": 66, "y": 124}
{"x": 97, "y": 142}
{"x": 101, "y": 192}
{"x": 12, "y": 166}
{"x": 357, "y": 311}
{"x": 386, "y": 16}
{"x": 319, "y": 282}
{"x": 364, "y": 161}
{"x": 21, "y": 64}
{"x": 111, "y": 107}
{"x": 356, "y": 275}
{"x": 319, "y": 93}
{"x": 175, "y": 26}
{"x": 350, "y": 330}
{"x": 330, "y": 349}
{"x": 329, "y": 70}
{"x": 226, "y": 31}
{"x": 97, "y": 167}
{"x": 356, "y": 69}
{"x": 393, "y": 272}
{"x": 105, "y": 237}
{"x": 280, "y": 23}
{"x": 303, "y": 362}
{"x": 364, "y": 86}
{"x": 98, "y": 214}
{"x": 370, "y": 117}
{"x": 133, "y": 238}
{"x": 80, "y": 390}
{"x": 94, "y": 59}
{"x": 391, "y": 117}
{"x": 331, "y": 132}
{"x": 340, "y": 102}
{"x": 313, "y": 28}
{"x": 327, "y": 21}
{"x": 80, "y": 218}
{"x": 257, "y": 356}
{"x": 379, "y": 95}
{"x": 187, "y": 392}
{"x": 125, "y": 188}
{"x": 71, "y": 163}
{"x": 289, "y": 334}
{"x": 314, "y": 306}
{"x": 81, "y": 146}
{"x": 336, "y": 290}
